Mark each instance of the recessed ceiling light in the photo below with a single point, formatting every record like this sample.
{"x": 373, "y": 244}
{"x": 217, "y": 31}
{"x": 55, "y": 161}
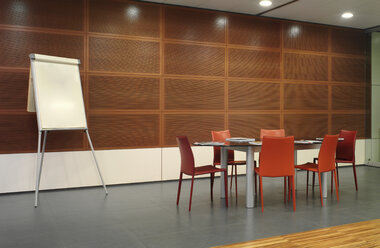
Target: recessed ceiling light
{"x": 347, "y": 15}
{"x": 265, "y": 3}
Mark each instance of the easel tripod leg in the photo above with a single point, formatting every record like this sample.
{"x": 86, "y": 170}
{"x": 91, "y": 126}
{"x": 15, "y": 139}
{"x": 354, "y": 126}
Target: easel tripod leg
{"x": 96, "y": 162}
{"x": 40, "y": 159}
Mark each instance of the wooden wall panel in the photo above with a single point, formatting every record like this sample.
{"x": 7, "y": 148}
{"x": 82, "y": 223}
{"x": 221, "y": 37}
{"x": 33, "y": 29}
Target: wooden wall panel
{"x": 306, "y": 126}
{"x": 194, "y": 25}
{"x": 66, "y": 14}
{"x": 153, "y": 71}
{"x": 197, "y": 60}
{"x": 18, "y": 133}
{"x": 305, "y": 96}
{"x": 194, "y": 94}
{"x": 122, "y": 93}
{"x": 305, "y": 67}
{"x": 127, "y": 18}
{"x": 13, "y": 90}
{"x": 120, "y": 55}
{"x": 253, "y": 64}
{"x": 349, "y": 122}
{"x": 348, "y": 97}
{"x": 348, "y": 70}
{"x": 249, "y": 125}
{"x": 253, "y": 31}
{"x": 15, "y": 46}
{"x": 348, "y": 41}
{"x": 305, "y": 37}
{"x": 124, "y": 130}
{"x": 197, "y": 127}
{"x": 253, "y": 96}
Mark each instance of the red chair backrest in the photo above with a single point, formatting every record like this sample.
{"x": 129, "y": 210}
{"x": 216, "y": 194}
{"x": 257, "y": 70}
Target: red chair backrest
{"x": 221, "y": 136}
{"x": 277, "y": 156}
{"x": 346, "y": 149}
{"x": 326, "y": 157}
{"x": 187, "y": 158}
{"x": 272, "y": 133}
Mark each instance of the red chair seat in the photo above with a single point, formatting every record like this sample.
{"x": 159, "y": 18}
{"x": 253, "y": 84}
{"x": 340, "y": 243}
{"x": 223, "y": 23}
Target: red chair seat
{"x": 207, "y": 169}
{"x": 343, "y": 161}
{"x": 308, "y": 166}
{"x": 238, "y": 162}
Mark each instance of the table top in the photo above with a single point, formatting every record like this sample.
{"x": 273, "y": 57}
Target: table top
{"x": 252, "y": 143}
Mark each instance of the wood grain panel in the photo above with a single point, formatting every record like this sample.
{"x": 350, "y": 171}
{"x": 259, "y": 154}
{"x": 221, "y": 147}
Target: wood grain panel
{"x": 127, "y": 18}
{"x": 253, "y": 64}
{"x": 305, "y": 96}
{"x": 306, "y": 126}
{"x": 305, "y": 67}
{"x": 43, "y": 13}
{"x": 194, "y": 60}
{"x": 253, "y": 96}
{"x": 253, "y": 31}
{"x": 108, "y": 92}
{"x": 348, "y": 41}
{"x": 15, "y": 46}
{"x": 18, "y": 133}
{"x": 350, "y": 122}
{"x": 64, "y": 140}
{"x": 194, "y": 94}
{"x": 197, "y": 127}
{"x": 13, "y": 90}
{"x": 117, "y": 55}
{"x": 122, "y": 131}
{"x": 305, "y": 37}
{"x": 348, "y": 70}
{"x": 361, "y": 234}
{"x": 249, "y": 125}
{"x": 348, "y": 97}
{"x": 195, "y": 25}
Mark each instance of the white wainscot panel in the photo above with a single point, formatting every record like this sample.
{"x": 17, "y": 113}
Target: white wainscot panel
{"x": 77, "y": 169}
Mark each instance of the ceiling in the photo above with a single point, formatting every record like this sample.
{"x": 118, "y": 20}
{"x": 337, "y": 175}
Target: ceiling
{"x": 366, "y": 12}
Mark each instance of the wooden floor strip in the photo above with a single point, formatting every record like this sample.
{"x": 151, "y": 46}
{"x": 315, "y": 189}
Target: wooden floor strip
{"x": 361, "y": 234}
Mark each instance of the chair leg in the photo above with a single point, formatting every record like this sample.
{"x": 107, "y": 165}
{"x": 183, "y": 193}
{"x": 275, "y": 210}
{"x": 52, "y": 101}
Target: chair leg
{"x": 294, "y": 193}
{"x": 179, "y": 187}
{"x": 307, "y": 183}
{"x": 356, "y": 181}
{"x": 320, "y": 187}
{"x": 332, "y": 176}
{"x": 191, "y": 192}
{"x": 336, "y": 185}
{"x": 289, "y": 188}
{"x": 236, "y": 182}
{"x": 226, "y": 187}
{"x": 285, "y": 189}
{"x": 313, "y": 180}
{"x": 337, "y": 171}
{"x": 232, "y": 176}
{"x": 255, "y": 176}
{"x": 212, "y": 185}
{"x": 261, "y": 193}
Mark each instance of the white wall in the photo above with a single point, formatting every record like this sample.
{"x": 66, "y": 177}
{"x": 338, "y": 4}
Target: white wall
{"x": 77, "y": 169}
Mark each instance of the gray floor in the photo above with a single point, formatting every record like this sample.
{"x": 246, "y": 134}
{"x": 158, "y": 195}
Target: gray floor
{"x": 145, "y": 215}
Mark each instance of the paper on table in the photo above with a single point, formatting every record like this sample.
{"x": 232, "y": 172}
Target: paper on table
{"x": 209, "y": 143}
{"x": 240, "y": 139}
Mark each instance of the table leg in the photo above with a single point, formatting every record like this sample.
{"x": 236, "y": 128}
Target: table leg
{"x": 223, "y": 165}
{"x": 249, "y": 181}
{"x": 324, "y": 184}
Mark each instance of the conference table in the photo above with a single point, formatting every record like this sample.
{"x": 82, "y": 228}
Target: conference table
{"x": 250, "y": 148}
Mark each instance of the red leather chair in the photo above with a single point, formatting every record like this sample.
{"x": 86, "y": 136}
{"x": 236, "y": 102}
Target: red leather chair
{"x": 277, "y": 160}
{"x": 326, "y": 162}
{"x": 270, "y": 133}
{"x": 345, "y": 152}
{"x": 221, "y": 136}
{"x": 188, "y": 168}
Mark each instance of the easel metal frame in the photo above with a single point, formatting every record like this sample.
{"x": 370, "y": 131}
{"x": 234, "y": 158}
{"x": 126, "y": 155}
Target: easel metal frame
{"x": 40, "y": 159}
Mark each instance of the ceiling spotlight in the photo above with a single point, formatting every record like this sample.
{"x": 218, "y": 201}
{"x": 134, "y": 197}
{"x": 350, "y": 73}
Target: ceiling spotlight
{"x": 265, "y": 3}
{"x": 347, "y": 15}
